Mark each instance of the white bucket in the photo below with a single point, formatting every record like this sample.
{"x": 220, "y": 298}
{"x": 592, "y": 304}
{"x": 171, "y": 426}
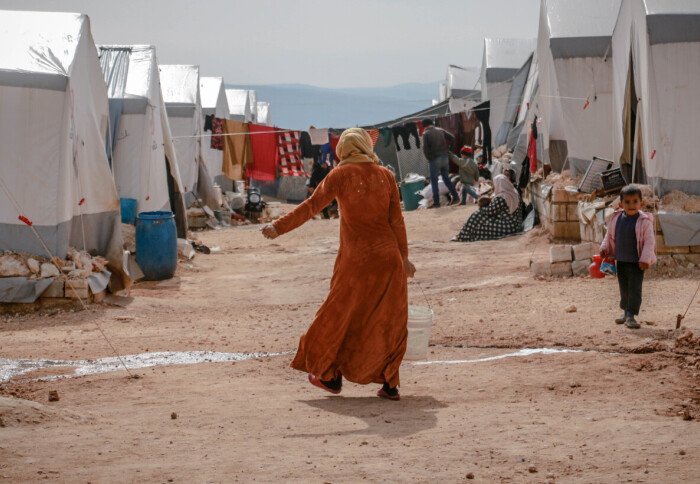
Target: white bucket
{"x": 240, "y": 186}
{"x": 420, "y": 319}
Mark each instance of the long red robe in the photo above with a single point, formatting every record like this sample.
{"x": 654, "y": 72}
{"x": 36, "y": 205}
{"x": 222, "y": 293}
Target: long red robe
{"x": 360, "y": 330}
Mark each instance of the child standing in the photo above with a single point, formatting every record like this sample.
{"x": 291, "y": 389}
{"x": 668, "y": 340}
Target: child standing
{"x": 630, "y": 240}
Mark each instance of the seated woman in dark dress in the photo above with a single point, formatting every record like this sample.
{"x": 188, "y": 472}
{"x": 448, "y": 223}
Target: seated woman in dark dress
{"x": 500, "y": 218}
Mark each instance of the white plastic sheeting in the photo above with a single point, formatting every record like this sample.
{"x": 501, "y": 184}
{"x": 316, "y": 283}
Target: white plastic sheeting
{"x": 502, "y": 60}
{"x": 463, "y": 82}
{"x": 264, "y": 116}
{"x": 663, "y": 40}
{"x": 53, "y": 124}
{"x": 180, "y": 85}
{"x": 144, "y": 140}
{"x": 239, "y": 104}
{"x": 214, "y": 103}
{"x": 574, "y": 52}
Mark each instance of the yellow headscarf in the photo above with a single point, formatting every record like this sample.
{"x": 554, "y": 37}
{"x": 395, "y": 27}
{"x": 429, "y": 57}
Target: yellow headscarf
{"x": 355, "y": 146}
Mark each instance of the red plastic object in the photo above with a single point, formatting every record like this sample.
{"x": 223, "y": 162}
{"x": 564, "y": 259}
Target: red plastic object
{"x": 594, "y": 269}
{"x": 25, "y": 220}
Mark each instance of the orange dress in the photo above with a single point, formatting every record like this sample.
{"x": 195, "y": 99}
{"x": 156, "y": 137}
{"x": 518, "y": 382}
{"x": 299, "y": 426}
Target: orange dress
{"x": 360, "y": 330}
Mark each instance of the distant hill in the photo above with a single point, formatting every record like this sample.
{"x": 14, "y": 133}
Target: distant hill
{"x": 298, "y": 106}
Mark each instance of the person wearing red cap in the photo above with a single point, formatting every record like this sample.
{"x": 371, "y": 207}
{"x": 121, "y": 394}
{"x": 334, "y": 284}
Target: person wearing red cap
{"x": 468, "y": 172}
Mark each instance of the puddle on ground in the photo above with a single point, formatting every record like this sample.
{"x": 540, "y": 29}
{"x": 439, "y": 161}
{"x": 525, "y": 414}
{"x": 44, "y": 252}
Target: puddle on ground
{"x": 523, "y": 352}
{"x": 13, "y": 368}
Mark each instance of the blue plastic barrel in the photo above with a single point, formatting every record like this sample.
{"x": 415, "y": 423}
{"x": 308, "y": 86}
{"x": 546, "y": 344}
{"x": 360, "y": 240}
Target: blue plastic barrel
{"x": 128, "y": 206}
{"x": 156, "y": 245}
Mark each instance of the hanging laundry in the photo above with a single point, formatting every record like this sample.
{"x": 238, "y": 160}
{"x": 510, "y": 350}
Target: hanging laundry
{"x": 405, "y": 131}
{"x": 263, "y": 140}
{"x": 412, "y": 160}
{"x": 387, "y": 135}
{"x": 289, "y": 155}
{"x": 469, "y": 125}
{"x": 326, "y": 155}
{"x": 319, "y": 136}
{"x": 237, "y": 149}
{"x": 420, "y": 128}
{"x": 387, "y": 152}
{"x": 532, "y": 148}
{"x": 308, "y": 149}
{"x": 374, "y": 134}
{"x": 217, "y": 128}
{"x": 483, "y": 113}
{"x": 453, "y": 124}
{"x": 207, "y": 122}
{"x": 335, "y": 139}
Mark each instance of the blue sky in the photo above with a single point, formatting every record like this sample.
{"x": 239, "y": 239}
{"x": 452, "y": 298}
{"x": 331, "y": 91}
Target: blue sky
{"x": 328, "y": 43}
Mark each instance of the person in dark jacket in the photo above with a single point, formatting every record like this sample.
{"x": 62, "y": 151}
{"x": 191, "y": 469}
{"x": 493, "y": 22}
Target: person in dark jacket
{"x": 437, "y": 152}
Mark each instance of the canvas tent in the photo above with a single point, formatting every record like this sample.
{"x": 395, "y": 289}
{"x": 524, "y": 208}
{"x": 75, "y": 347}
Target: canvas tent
{"x": 239, "y": 104}
{"x": 264, "y": 117}
{"x": 575, "y": 53}
{"x": 144, "y": 162}
{"x": 514, "y": 101}
{"x": 463, "y": 82}
{"x": 53, "y": 122}
{"x": 656, "y": 102}
{"x": 502, "y": 60}
{"x": 214, "y": 103}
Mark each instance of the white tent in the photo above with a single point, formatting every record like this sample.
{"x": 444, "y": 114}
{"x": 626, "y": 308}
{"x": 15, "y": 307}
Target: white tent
{"x": 657, "y": 57}
{"x": 54, "y": 117}
{"x": 264, "y": 117}
{"x": 180, "y": 85}
{"x": 239, "y": 104}
{"x": 144, "y": 162}
{"x": 502, "y": 60}
{"x": 514, "y": 101}
{"x": 576, "y": 70}
{"x": 214, "y": 103}
{"x": 462, "y": 82}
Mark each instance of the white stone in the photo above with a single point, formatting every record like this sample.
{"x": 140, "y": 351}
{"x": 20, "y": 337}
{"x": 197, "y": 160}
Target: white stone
{"x": 561, "y": 269}
{"x": 560, "y": 253}
{"x": 580, "y": 267}
{"x": 541, "y": 269}
{"x": 12, "y": 265}
{"x": 585, "y": 251}
{"x": 49, "y": 270}
{"x": 34, "y": 266}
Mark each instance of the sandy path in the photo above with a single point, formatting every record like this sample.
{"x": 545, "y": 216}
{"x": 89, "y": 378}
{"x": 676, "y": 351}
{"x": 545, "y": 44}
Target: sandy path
{"x": 605, "y": 415}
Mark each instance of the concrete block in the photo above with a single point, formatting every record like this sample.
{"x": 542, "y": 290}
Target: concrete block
{"x": 695, "y": 249}
{"x": 561, "y": 269}
{"x": 560, "y": 253}
{"x": 566, "y": 230}
{"x": 77, "y": 293}
{"x": 560, "y": 195}
{"x": 580, "y": 267}
{"x": 662, "y": 248}
{"x": 572, "y": 212}
{"x": 558, "y": 212}
{"x": 585, "y": 250}
{"x": 56, "y": 289}
{"x": 77, "y": 284}
{"x": 541, "y": 269}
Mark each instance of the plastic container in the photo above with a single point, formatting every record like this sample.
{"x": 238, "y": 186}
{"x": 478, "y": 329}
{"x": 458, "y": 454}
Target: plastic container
{"x": 128, "y": 209}
{"x": 594, "y": 269}
{"x": 156, "y": 245}
{"x": 410, "y": 195}
{"x": 420, "y": 319}
{"x": 239, "y": 186}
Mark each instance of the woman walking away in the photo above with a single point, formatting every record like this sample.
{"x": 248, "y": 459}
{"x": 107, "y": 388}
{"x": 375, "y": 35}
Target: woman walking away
{"x": 503, "y": 216}
{"x": 359, "y": 332}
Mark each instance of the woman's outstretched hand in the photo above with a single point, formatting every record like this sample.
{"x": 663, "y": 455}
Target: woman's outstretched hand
{"x": 269, "y": 232}
{"x": 410, "y": 268}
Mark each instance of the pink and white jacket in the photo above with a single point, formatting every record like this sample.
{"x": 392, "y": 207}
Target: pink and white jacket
{"x": 644, "y": 230}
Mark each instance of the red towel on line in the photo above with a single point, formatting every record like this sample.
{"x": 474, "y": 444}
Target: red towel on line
{"x": 263, "y": 139}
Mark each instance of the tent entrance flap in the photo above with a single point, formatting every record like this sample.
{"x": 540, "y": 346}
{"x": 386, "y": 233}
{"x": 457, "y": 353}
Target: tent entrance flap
{"x": 632, "y": 133}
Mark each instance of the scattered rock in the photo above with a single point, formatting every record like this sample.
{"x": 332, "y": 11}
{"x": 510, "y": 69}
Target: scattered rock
{"x": 49, "y": 270}
{"x": 574, "y": 384}
{"x": 687, "y": 415}
{"x": 173, "y": 416}
{"x": 532, "y": 469}
{"x": 34, "y": 266}
{"x": 470, "y": 475}
{"x": 681, "y": 452}
{"x": 11, "y": 265}
{"x": 53, "y": 396}
{"x": 571, "y": 309}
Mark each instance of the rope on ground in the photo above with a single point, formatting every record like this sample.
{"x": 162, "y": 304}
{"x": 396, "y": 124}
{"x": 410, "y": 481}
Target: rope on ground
{"x": 680, "y": 317}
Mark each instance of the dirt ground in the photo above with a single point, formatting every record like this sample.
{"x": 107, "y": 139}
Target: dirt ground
{"x": 610, "y": 412}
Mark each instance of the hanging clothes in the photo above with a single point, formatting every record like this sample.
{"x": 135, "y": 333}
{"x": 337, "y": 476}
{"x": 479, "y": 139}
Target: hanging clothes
{"x": 374, "y": 134}
{"x": 207, "y": 122}
{"x": 532, "y": 148}
{"x": 412, "y": 160}
{"x": 387, "y": 135}
{"x": 217, "y": 128}
{"x": 453, "y": 125}
{"x": 263, "y": 140}
{"x": 405, "y": 131}
{"x": 469, "y": 125}
{"x": 335, "y": 137}
{"x": 289, "y": 154}
{"x": 318, "y": 136}
{"x": 483, "y": 114}
{"x": 308, "y": 149}
{"x": 326, "y": 154}
{"x": 237, "y": 149}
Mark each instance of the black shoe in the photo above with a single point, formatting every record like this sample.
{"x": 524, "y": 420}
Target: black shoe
{"x": 621, "y": 319}
{"x": 433, "y": 206}
{"x": 462, "y": 203}
{"x": 632, "y": 323}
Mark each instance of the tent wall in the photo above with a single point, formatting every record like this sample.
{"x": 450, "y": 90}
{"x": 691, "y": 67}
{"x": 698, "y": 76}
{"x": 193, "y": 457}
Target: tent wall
{"x": 239, "y": 104}
{"x": 214, "y": 102}
{"x": 666, "y": 75}
{"x": 53, "y": 159}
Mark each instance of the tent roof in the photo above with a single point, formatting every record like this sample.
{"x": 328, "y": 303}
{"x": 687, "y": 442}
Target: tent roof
{"x": 138, "y": 70}
{"x": 581, "y": 29}
{"x": 671, "y": 21}
{"x": 238, "y": 100}
{"x": 504, "y": 57}
{"x": 38, "y": 48}
{"x": 180, "y": 84}
{"x": 209, "y": 88}
{"x": 463, "y": 80}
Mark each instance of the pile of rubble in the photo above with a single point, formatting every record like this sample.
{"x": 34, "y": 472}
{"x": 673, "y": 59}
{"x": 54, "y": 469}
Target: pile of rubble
{"x": 566, "y": 261}
{"x": 78, "y": 265}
